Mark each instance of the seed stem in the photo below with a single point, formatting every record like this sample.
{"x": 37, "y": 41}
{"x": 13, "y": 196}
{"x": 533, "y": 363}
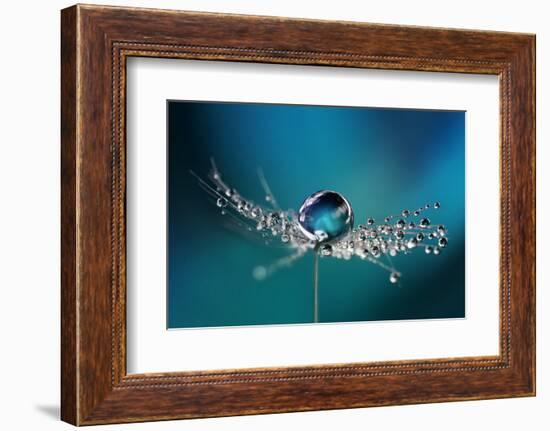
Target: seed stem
{"x": 316, "y": 284}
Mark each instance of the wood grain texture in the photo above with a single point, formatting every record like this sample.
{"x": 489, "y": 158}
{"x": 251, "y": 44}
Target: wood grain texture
{"x": 96, "y": 41}
{"x": 69, "y": 397}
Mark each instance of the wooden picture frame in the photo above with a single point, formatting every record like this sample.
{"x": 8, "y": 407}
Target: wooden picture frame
{"x": 95, "y": 43}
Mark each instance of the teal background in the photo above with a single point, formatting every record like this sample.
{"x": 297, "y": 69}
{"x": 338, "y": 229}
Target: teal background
{"x": 381, "y": 160}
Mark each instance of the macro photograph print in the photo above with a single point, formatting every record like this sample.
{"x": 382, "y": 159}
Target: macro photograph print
{"x": 283, "y": 214}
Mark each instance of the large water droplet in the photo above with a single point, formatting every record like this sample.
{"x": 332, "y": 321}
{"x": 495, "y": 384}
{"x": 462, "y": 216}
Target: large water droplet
{"x": 325, "y": 216}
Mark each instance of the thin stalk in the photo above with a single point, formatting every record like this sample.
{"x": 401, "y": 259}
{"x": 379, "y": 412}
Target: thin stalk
{"x": 316, "y": 284}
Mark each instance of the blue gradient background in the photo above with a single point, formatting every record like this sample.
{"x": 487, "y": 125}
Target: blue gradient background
{"x": 381, "y": 160}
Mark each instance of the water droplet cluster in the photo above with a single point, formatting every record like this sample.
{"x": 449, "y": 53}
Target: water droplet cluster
{"x": 395, "y": 235}
{"x": 374, "y": 242}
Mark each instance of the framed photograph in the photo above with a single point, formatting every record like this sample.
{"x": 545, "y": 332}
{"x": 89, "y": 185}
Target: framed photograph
{"x": 264, "y": 215}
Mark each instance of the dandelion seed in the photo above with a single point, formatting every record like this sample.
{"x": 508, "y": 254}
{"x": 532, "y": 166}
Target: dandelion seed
{"x": 323, "y": 225}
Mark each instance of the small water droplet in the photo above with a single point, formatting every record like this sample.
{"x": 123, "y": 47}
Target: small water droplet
{"x": 326, "y": 250}
{"x": 437, "y": 250}
{"x": 424, "y": 222}
{"x": 441, "y": 230}
{"x": 412, "y": 243}
{"x": 221, "y": 202}
{"x": 428, "y": 249}
{"x": 274, "y": 219}
{"x": 394, "y": 277}
{"x": 399, "y": 234}
{"x": 419, "y": 236}
{"x": 405, "y": 213}
{"x": 400, "y": 224}
{"x": 437, "y": 205}
{"x": 370, "y": 221}
{"x": 442, "y": 242}
{"x": 285, "y": 238}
